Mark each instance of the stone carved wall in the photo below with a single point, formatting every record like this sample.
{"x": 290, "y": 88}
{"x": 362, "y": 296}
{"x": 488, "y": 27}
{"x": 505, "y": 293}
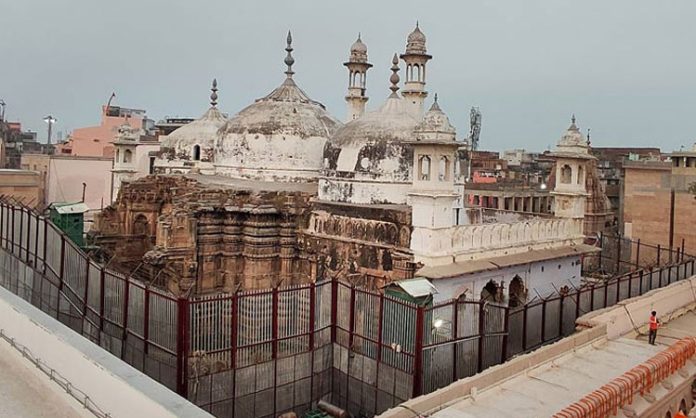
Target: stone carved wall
{"x": 203, "y": 239}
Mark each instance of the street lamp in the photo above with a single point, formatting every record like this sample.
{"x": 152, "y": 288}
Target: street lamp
{"x": 50, "y": 120}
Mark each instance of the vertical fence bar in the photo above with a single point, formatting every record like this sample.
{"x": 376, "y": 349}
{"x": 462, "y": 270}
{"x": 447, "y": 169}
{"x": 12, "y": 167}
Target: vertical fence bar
{"x": 524, "y": 328}
{"x": 182, "y": 347}
{"x": 146, "y": 323}
{"x": 334, "y": 308}
{"x": 418, "y": 353}
{"x": 659, "y": 251}
{"x": 101, "y": 302}
{"x": 638, "y": 253}
{"x": 274, "y": 345}
{"x": 560, "y": 317}
{"x": 640, "y": 283}
{"x": 45, "y": 245}
{"x": 482, "y": 332}
{"x": 618, "y": 255}
{"x": 506, "y": 331}
{"x": 126, "y": 297}
{"x": 543, "y": 321}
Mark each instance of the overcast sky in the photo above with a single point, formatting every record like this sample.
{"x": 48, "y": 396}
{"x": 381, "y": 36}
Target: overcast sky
{"x": 626, "y": 68}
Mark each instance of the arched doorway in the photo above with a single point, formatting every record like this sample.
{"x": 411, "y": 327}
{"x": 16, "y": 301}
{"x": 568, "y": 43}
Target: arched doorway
{"x": 517, "y": 292}
{"x": 491, "y": 292}
{"x": 196, "y": 153}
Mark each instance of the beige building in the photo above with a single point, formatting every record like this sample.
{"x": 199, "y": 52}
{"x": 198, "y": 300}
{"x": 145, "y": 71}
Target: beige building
{"x": 66, "y": 177}
{"x": 23, "y": 185}
{"x": 658, "y": 206}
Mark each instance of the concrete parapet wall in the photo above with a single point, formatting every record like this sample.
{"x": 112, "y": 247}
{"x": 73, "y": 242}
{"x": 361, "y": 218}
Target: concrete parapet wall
{"x": 113, "y": 385}
{"x": 631, "y": 315}
{"x": 496, "y": 375}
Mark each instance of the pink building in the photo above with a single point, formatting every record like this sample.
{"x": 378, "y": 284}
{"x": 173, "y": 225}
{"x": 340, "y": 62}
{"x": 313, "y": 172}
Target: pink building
{"x": 96, "y": 141}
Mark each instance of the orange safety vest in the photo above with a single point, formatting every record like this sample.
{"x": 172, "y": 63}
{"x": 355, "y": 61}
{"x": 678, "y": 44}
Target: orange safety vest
{"x": 653, "y": 323}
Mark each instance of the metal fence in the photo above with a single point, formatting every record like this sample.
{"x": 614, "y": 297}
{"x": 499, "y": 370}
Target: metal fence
{"x": 262, "y": 353}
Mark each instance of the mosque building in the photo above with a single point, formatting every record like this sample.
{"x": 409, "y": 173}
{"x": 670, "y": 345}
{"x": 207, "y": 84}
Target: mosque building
{"x": 282, "y": 193}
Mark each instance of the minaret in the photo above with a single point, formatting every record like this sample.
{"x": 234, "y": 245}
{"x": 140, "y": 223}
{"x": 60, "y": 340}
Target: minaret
{"x": 432, "y": 196}
{"x": 572, "y": 155}
{"x": 415, "y": 57}
{"x": 357, "y": 77}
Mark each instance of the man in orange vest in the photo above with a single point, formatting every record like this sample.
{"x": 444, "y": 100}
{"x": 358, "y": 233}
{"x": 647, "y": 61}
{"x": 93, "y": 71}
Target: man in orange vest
{"x": 654, "y": 323}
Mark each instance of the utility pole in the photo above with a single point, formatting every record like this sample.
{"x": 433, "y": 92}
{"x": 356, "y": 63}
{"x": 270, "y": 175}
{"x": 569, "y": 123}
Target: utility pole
{"x": 50, "y": 120}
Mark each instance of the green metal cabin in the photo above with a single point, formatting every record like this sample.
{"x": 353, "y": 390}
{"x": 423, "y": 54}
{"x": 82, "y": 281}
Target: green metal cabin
{"x": 70, "y": 218}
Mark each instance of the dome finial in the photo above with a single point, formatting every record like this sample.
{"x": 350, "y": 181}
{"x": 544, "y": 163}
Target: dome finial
{"x": 572, "y": 119}
{"x": 213, "y": 95}
{"x": 394, "y": 79}
{"x": 289, "y": 60}
{"x": 435, "y": 106}
{"x": 359, "y": 37}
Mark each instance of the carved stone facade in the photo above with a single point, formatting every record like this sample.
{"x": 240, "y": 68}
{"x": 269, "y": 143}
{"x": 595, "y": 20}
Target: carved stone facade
{"x": 195, "y": 237}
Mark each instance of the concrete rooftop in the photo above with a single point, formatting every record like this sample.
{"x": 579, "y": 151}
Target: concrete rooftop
{"x": 547, "y": 389}
{"x": 26, "y": 392}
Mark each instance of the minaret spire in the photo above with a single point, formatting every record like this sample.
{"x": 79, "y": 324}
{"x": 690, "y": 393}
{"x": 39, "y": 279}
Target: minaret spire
{"x": 289, "y": 60}
{"x": 357, "y": 79}
{"x": 213, "y": 95}
{"x": 394, "y": 79}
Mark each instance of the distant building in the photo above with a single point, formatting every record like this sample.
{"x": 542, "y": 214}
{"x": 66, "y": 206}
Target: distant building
{"x": 96, "y": 141}
{"x": 22, "y": 185}
{"x": 15, "y": 142}
{"x": 169, "y": 125}
{"x": 658, "y": 201}
{"x": 64, "y": 178}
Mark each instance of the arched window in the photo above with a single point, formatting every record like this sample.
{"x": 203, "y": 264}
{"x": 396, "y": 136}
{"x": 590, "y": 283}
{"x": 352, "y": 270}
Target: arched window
{"x": 424, "y": 168}
{"x": 127, "y": 156}
{"x": 196, "y": 153}
{"x": 580, "y": 175}
{"x": 443, "y": 169}
{"x": 566, "y": 174}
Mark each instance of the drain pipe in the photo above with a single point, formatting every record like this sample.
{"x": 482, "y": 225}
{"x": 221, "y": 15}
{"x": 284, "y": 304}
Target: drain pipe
{"x": 332, "y": 410}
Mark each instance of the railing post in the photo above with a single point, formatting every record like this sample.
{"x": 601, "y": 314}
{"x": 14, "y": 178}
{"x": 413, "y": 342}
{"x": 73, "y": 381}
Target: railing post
{"x": 578, "y": 294}
{"x": 482, "y": 334}
{"x": 618, "y": 254}
{"x": 630, "y": 284}
{"x": 45, "y": 246}
{"x": 560, "y": 317}
{"x": 2, "y": 225}
{"x": 681, "y": 256}
{"x": 312, "y": 313}
{"x": 592, "y": 289}
{"x": 640, "y": 283}
{"x": 36, "y": 242}
{"x": 606, "y": 294}
{"x": 524, "y": 328}
{"x": 101, "y": 302}
{"x": 351, "y": 320}
{"x": 126, "y": 297}
{"x": 506, "y": 331}
{"x": 543, "y": 321}
{"x": 418, "y": 353}
{"x": 638, "y": 253}
{"x": 146, "y": 322}
{"x": 182, "y": 347}
{"x": 601, "y": 249}
{"x": 274, "y": 345}
{"x": 659, "y": 250}
{"x": 334, "y": 308}
{"x": 234, "y": 323}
